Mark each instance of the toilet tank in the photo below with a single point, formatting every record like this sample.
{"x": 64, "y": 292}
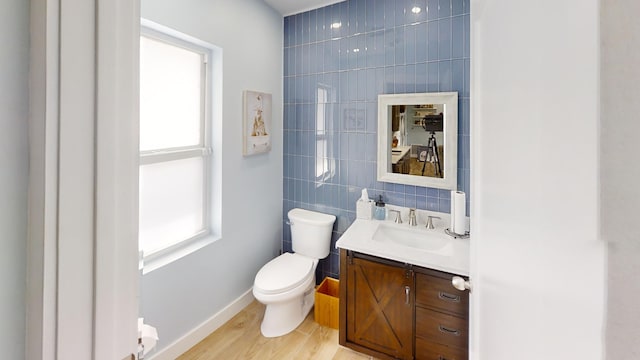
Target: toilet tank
{"x": 311, "y": 232}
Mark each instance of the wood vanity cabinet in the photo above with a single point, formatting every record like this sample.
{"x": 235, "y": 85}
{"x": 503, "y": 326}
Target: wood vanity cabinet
{"x": 403, "y": 166}
{"x": 442, "y": 317}
{"x": 392, "y": 310}
{"x": 379, "y": 310}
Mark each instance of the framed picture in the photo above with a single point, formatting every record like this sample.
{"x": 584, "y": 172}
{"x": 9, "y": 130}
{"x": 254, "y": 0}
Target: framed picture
{"x": 354, "y": 119}
{"x": 256, "y": 124}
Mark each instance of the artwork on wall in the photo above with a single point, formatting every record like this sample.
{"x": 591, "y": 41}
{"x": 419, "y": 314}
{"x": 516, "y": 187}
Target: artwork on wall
{"x": 354, "y": 119}
{"x": 256, "y": 124}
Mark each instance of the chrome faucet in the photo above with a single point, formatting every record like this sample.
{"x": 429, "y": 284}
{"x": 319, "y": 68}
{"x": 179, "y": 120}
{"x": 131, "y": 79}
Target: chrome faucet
{"x": 398, "y": 219}
{"x": 430, "y": 221}
{"x": 412, "y": 217}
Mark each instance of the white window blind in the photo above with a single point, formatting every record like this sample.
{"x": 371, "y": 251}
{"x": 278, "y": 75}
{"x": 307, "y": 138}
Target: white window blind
{"x": 174, "y": 144}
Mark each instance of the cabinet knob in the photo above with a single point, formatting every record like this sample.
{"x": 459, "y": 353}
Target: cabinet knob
{"x": 460, "y": 283}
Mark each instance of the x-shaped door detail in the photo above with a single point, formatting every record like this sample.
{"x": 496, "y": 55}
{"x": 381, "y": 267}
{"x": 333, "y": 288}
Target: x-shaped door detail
{"x": 381, "y": 307}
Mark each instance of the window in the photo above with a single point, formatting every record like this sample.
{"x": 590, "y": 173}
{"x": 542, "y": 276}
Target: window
{"x": 325, "y": 163}
{"x": 175, "y": 143}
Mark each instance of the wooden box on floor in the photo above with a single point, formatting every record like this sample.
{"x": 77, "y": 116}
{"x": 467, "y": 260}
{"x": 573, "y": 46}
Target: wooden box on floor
{"x": 326, "y": 308}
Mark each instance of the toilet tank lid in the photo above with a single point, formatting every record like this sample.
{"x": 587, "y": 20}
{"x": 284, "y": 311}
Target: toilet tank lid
{"x": 311, "y": 217}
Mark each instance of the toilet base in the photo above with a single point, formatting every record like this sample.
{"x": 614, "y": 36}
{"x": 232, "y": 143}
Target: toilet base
{"x": 284, "y": 317}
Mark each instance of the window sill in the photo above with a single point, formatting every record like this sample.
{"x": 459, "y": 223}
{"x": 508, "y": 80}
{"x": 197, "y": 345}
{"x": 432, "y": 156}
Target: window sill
{"x": 154, "y": 262}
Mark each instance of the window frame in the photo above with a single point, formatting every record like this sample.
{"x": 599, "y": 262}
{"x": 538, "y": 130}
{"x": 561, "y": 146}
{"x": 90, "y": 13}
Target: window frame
{"x": 204, "y": 149}
{"x": 322, "y": 133}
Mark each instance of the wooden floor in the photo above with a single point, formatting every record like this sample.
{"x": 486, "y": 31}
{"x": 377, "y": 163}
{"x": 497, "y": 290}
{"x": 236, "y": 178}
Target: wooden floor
{"x": 240, "y": 338}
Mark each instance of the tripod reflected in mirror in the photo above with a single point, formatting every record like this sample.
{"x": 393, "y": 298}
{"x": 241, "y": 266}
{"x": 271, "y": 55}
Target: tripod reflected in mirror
{"x": 430, "y": 155}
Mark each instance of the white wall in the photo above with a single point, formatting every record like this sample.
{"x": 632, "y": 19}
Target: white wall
{"x": 14, "y": 102}
{"x": 539, "y": 264}
{"x": 180, "y": 296}
{"x": 619, "y": 173}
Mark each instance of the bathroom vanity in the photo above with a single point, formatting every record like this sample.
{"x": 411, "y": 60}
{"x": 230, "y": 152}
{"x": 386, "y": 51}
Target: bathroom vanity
{"x": 396, "y": 296}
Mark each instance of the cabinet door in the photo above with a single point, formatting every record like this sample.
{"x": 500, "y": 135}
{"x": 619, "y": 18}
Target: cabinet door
{"x": 380, "y": 307}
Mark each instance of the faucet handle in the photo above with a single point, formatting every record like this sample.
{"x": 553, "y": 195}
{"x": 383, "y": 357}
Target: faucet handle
{"x": 430, "y": 221}
{"x": 412, "y": 217}
{"x": 398, "y": 219}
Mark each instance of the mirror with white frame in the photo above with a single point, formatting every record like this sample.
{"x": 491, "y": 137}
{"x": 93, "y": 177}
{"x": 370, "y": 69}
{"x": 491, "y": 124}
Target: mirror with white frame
{"x": 418, "y": 139}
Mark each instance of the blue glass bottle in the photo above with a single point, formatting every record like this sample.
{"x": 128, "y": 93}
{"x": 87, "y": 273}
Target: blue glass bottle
{"x": 380, "y": 212}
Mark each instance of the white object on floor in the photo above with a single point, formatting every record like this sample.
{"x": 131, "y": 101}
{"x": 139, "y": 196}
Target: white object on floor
{"x": 147, "y": 335}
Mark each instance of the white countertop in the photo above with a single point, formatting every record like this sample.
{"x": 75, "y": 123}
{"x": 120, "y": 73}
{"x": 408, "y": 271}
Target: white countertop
{"x": 359, "y": 238}
{"x": 398, "y": 153}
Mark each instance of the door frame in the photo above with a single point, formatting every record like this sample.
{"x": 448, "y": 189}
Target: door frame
{"x": 82, "y": 263}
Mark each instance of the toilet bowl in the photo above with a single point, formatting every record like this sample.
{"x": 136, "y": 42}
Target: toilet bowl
{"x": 286, "y": 284}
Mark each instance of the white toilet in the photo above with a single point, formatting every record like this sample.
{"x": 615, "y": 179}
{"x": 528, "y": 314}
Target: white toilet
{"x": 286, "y": 284}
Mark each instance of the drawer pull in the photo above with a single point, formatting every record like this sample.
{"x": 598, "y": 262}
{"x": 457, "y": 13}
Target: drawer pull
{"x": 448, "y": 297}
{"x": 448, "y": 331}
{"x": 407, "y": 290}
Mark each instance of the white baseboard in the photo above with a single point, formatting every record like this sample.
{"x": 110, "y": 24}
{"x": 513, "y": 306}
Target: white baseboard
{"x": 203, "y": 330}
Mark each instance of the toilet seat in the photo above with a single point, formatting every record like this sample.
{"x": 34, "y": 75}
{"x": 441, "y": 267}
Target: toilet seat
{"x": 283, "y": 273}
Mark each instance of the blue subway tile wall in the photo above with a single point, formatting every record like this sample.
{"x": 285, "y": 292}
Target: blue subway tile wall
{"x": 337, "y": 60}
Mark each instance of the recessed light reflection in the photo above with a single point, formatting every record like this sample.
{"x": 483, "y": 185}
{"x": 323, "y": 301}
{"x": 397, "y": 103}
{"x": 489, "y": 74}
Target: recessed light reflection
{"x": 416, "y": 10}
{"x": 336, "y": 25}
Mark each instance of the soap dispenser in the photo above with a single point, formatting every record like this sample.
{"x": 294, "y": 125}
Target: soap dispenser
{"x": 380, "y": 212}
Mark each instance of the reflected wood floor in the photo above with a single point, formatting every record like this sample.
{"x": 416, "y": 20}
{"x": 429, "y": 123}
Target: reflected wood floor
{"x": 240, "y": 338}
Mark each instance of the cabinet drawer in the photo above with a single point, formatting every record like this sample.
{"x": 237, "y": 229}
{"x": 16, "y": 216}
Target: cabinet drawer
{"x": 427, "y": 350}
{"x": 438, "y": 293}
{"x": 442, "y": 328}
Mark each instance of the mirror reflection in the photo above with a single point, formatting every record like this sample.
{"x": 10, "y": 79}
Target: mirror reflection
{"x": 417, "y": 139}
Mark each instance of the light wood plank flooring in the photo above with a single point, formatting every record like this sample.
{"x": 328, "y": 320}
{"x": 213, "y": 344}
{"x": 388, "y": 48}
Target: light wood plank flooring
{"x": 240, "y": 338}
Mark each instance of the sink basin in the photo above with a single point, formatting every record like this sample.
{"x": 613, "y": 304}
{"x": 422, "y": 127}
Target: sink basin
{"x": 430, "y": 241}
